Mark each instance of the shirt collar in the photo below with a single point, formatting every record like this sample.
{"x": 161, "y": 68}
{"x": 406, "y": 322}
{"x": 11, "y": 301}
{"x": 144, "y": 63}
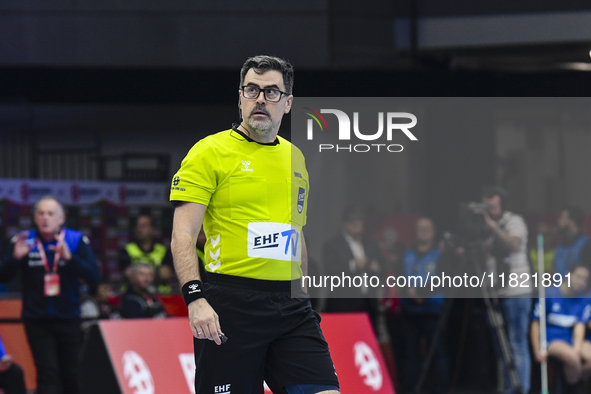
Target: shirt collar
{"x": 246, "y": 137}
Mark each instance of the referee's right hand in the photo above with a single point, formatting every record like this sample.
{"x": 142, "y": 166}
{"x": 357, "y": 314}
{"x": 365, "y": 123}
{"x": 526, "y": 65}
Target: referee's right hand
{"x": 205, "y": 323}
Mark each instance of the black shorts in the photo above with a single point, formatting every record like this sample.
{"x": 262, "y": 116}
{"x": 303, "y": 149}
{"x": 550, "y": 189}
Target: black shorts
{"x": 271, "y": 337}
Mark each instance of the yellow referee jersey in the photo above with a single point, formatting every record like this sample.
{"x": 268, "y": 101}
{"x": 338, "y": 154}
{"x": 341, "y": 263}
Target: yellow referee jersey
{"x": 256, "y": 196}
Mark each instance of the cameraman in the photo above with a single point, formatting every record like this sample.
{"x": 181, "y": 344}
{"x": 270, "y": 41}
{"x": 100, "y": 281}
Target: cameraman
{"x": 507, "y": 248}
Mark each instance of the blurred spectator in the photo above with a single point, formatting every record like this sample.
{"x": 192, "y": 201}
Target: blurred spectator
{"x": 393, "y": 250}
{"x": 391, "y": 304}
{"x": 52, "y": 260}
{"x": 352, "y": 254}
{"x": 566, "y": 314}
{"x": 549, "y": 235}
{"x": 586, "y": 350}
{"x": 569, "y": 251}
{"x": 12, "y": 379}
{"x": 393, "y": 266}
{"x": 138, "y": 301}
{"x": 508, "y": 256}
{"x": 420, "y": 313}
{"x": 96, "y": 306}
{"x": 146, "y": 250}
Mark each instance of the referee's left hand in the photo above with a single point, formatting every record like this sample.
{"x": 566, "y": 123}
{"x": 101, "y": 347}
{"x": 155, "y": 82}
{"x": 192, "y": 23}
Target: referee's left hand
{"x": 204, "y": 322}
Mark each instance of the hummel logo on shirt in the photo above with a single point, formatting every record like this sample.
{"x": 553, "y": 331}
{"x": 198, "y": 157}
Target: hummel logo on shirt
{"x": 245, "y": 164}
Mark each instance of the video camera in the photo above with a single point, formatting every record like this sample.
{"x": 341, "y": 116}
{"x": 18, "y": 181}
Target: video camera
{"x": 472, "y": 226}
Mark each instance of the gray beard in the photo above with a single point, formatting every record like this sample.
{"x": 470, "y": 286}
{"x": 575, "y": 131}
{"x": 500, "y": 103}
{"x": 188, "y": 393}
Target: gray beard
{"x": 262, "y": 134}
{"x": 261, "y": 130}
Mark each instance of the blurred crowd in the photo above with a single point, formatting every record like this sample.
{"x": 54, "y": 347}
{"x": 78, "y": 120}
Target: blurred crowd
{"x": 414, "y": 326}
{"x": 63, "y": 294}
{"x": 417, "y": 324}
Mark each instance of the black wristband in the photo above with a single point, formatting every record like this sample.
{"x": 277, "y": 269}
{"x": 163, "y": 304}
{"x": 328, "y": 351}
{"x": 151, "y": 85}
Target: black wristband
{"x": 192, "y": 290}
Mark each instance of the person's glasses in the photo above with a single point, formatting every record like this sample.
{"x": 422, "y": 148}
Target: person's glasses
{"x": 271, "y": 94}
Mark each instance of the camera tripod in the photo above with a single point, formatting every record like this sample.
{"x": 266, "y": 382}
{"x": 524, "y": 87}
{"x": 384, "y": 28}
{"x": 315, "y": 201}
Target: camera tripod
{"x": 474, "y": 253}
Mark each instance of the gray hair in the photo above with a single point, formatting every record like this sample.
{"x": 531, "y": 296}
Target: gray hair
{"x": 49, "y": 198}
{"x": 135, "y": 267}
{"x": 263, "y": 63}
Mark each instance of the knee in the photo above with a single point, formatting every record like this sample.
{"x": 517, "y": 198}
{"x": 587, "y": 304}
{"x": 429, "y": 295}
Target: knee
{"x": 573, "y": 360}
{"x": 586, "y": 356}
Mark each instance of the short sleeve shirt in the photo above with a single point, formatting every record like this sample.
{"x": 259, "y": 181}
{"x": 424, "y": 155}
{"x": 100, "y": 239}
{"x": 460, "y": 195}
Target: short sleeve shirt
{"x": 562, "y": 313}
{"x": 515, "y": 226}
{"x": 256, "y": 197}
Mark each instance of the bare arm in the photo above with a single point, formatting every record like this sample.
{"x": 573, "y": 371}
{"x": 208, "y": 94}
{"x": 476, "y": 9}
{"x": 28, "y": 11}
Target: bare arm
{"x": 578, "y": 337}
{"x": 535, "y": 340}
{"x": 188, "y": 217}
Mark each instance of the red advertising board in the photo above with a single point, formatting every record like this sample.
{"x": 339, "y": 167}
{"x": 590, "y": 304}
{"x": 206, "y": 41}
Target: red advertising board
{"x": 156, "y": 356}
{"x": 356, "y": 353}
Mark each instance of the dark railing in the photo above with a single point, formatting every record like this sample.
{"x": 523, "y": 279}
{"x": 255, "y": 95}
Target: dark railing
{"x": 21, "y": 157}
{"x": 82, "y": 164}
{"x": 15, "y": 156}
{"x": 27, "y": 151}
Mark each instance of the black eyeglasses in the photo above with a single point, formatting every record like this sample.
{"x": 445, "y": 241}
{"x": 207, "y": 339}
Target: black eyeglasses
{"x": 271, "y": 94}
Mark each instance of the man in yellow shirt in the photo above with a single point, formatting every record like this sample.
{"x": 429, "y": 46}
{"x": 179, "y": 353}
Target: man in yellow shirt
{"x": 145, "y": 249}
{"x": 249, "y": 188}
